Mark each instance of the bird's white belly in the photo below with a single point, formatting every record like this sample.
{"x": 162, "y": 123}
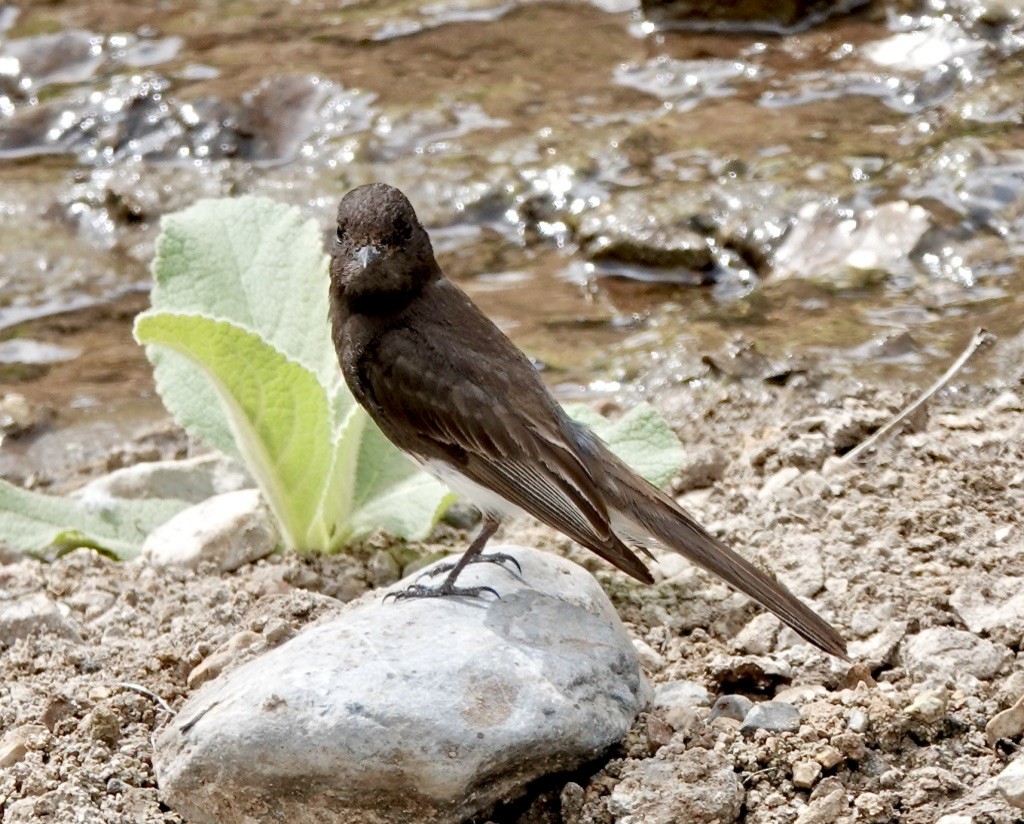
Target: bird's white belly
{"x": 487, "y": 501}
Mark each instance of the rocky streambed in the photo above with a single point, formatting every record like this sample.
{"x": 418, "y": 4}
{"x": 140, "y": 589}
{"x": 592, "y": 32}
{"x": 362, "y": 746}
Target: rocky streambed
{"x": 916, "y": 556}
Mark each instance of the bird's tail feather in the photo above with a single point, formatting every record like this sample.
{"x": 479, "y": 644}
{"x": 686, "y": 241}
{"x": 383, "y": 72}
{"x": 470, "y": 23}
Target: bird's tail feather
{"x": 653, "y": 512}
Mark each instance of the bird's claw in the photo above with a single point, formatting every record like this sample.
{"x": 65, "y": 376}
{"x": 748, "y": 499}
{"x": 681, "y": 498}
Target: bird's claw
{"x": 440, "y": 591}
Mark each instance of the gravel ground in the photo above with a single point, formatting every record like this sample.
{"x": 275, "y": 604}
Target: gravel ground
{"x": 916, "y": 556}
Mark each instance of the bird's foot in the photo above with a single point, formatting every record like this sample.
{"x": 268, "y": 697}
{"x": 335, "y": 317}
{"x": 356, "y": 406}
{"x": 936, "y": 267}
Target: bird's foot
{"x": 499, "y": 558}
{"x": 443, "y": 590}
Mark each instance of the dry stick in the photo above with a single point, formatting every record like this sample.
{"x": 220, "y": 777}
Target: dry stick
{"x": 982, "y": 340}
{"x": 141, "y": 690}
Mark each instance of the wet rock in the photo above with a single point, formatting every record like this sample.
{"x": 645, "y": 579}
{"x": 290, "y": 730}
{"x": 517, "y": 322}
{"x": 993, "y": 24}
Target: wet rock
{"x": 277, "y": 116}
{"x": 843, "y": 251}
{"x": 685, "y": 82}
{"x": 694, "y": 787}
{"x": 1008, "y": 724}
{"x": 429, "y": 709}
{"x": 16, "y": 742}
{"x": 67, "y": 57}
{"x": 746, "y": 15}
{"x": 774, "y": 716}
{"x": 193, "y": 480}
{"x": 34, "y": 614}
{"x": 228, "y": 530}
{"x": 28, "y": 352}
{"x": 18, "y": 416}
{"x": 1010, "y": 783}
{"x": 735, "y": 707}
{"x": 942, "y": 655}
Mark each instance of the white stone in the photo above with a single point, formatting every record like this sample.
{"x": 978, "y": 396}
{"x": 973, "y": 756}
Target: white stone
{"x": 942, "y": 655}
{"x": 192, "y": 480}
{"x": 987, "y": 602}
{"x": 681, "y": 694}
{"x": 228, "y": 530}
{"x": 410, "y": 711}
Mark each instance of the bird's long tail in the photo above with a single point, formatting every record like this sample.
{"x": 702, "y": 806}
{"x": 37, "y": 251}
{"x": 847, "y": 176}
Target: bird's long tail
{"x": 654, "y": 513}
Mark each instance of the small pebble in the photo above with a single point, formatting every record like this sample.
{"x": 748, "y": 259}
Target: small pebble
{"x": 735, "y": 707}
{"x": 806, "y": 774}
{"x": 858, "y": 721}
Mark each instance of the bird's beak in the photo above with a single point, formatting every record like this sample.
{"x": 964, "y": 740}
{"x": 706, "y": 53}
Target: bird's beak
{"x": 368, "y": 255}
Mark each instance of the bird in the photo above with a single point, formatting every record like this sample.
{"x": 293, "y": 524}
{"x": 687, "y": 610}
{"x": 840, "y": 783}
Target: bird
{"x": 447, "y": 387}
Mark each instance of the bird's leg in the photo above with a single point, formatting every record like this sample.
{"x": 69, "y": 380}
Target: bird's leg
{"x": 471, "y": 555}
{"x": 474, "y": 555}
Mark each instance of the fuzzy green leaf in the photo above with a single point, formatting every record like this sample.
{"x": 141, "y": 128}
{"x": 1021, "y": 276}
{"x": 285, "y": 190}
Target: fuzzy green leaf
{"x": 640, "y": 437}
{"x": 45, "y": 524}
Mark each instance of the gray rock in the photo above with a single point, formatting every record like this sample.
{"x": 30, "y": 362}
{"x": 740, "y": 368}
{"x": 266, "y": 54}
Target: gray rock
{"x": 987, "y": 602}
{"x": 229, "y": 530}
{"x": 878, "y": 650}
{"x": 746, "y": 15}
{"x": 35, "y": 613}
{"x": 411, "y": 711}
{"x": 681, "y": 694}
{"x": 735, "y": 707}
{"x": 941, "y": 655}
{"x": 758, "y": 636}
{"x": 693, "y": 787}
{"x": 1010, "y": 783}
{"x": 774, "y": 716}
{"x": 192, "y": 480}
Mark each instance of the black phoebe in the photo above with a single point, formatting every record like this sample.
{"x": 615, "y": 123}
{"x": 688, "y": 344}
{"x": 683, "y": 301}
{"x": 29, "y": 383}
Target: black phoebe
{"x": 450, "y": 390}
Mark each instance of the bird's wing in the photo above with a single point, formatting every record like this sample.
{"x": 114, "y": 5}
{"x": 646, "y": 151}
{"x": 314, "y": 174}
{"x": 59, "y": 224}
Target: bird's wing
{"x": 496, "y": 424}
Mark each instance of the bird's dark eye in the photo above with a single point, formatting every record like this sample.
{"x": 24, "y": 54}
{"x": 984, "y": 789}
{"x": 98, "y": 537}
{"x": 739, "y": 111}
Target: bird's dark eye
{"x": 339, "y": 235}
{"x": 404, "y": 228}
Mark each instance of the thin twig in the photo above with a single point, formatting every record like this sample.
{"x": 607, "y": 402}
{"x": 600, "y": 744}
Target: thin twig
{"x": 982, "y": 340}
{"x": 141, "y": 690}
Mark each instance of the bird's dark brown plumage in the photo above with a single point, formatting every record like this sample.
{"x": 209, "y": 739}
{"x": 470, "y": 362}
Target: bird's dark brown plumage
{"x": 451, "y": 390}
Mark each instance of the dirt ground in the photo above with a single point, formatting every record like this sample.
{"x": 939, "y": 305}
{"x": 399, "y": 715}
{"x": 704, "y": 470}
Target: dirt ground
{"x": 916, "y": 556}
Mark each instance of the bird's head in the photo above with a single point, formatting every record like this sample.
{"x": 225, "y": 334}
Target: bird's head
{"x": 381, "y": 254}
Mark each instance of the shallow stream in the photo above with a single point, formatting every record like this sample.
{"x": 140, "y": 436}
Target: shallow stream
{"x": 636, "y": 208}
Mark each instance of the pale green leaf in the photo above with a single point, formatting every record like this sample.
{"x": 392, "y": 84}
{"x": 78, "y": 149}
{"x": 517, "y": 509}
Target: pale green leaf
{"x": 254, "y": 262}
{"x": 44, "y": 524}
{"x": 392, "y": 493}
{"x": 278, "y": 411}
{"x": 640, "y": 437}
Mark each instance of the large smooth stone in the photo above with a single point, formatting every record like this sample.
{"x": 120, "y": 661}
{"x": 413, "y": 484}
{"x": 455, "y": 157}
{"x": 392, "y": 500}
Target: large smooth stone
{"x": 427, "y": 710}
